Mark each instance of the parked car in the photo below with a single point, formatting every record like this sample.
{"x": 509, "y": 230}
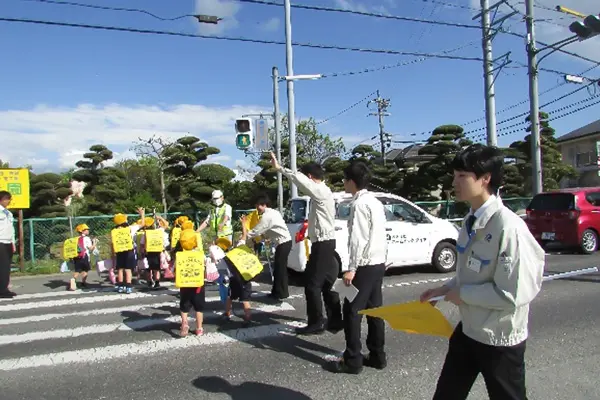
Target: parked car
{"x": 414, "y": 236}
{"x": 570, "y": 217}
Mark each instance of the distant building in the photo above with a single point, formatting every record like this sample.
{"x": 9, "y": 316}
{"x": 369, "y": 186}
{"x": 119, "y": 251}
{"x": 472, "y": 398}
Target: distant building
{"x": 408, "y": 155}
{"x": 580, "y": 149}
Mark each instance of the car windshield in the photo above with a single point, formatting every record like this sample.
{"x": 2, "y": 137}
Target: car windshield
{"x": 552, "y": 202}
{"x": 295, "y": 213}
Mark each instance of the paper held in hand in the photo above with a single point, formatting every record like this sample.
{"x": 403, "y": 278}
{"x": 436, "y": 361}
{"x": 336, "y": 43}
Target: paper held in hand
{"x": 348, "y": 292}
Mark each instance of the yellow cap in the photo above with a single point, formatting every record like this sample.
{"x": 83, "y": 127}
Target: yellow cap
{"x": 148, "y": 222}
{"x": 139, "y": 222}
{"x": 180, "y": 220}
{"x": 188, "y": 239}
{"x": 187, "y": 225}
{"x": 82, "y": 227}
{"x": 223, "y": 243}
{"x": 120, "y": 219}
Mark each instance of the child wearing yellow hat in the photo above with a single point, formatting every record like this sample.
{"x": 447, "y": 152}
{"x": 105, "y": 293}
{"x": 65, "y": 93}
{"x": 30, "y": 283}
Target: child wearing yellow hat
{"x": 82, "y": 261}
{"x": 191, "y": 297}
{"x": 123, "y": 249}
{"x": 153, "y": 256}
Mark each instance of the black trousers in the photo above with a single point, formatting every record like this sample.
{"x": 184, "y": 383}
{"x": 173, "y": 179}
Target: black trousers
{"x": 6, "y": 253}
{"x": 369, "y": 281}
{"x": 321, "y": 273}
{"x": 280, "y": 275}
{"x": 503, "y": 369}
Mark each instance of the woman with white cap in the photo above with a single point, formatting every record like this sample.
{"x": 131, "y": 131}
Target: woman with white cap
{"x": 219, "y": 218}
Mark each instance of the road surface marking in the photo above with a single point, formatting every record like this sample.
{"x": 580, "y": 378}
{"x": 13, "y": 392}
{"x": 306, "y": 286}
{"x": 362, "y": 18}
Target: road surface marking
{"x": 151, "y": 347}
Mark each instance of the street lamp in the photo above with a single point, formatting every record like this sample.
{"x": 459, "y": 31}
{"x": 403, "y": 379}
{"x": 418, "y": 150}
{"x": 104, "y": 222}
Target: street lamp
{"x": 208, "y": 19}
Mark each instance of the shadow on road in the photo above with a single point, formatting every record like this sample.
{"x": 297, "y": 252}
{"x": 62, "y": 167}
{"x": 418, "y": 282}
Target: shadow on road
{"x": 246, "y": 390}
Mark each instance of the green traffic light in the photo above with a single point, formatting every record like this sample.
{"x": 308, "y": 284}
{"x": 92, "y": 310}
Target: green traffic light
{"x": 242, "y": 141}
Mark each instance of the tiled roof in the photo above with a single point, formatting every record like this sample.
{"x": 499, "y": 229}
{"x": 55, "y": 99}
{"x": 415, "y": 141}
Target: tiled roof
{"x": 587, "y": 130}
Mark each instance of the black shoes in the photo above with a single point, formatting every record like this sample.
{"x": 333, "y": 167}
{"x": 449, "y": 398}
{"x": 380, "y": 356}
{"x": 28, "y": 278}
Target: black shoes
{"x": 315, "y": 329}
{"x": 7, "y": 295}
{"x": 340, "y": 367}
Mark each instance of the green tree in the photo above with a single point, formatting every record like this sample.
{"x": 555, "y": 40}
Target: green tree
{"x": 433, "y": 179}
{"x": 553, "y": 168}
{"x": 387, "y": 178}
{"x": 106, "y": 187}
{"x": 48, "y": 192}
{"x": 142, "y": 183}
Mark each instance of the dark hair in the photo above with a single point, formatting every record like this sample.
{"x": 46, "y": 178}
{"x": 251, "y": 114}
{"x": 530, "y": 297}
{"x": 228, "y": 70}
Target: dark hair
{"x": 314, "y": 169}
{"x": 359, "y": 173}
{"x": 480, "y": 160}
{"x": 5, "y": 195}
{"x": 262, "y": 199}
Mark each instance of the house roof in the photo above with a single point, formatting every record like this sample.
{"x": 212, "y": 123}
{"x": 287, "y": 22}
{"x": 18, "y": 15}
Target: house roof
{"x": 589, "y": 129}
{"x": 405, "y": 153}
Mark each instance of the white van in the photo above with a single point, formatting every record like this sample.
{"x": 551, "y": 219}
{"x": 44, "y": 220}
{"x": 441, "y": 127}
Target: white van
{"x": 414, "y": 236}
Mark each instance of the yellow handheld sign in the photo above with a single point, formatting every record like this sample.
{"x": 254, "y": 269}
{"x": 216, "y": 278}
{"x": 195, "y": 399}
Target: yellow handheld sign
{"x": 189, "y": 269}
{"x": 244, "y": 260}
{"x": 70, "y": 248}
{"x": 154, "y": 241}
{"x": 175, "y": 235}
{"x": 16, "y": 182}
{"x": 121, "y": 239}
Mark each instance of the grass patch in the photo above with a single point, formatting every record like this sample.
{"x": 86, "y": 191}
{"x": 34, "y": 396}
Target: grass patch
{"x": 41, "y": 267}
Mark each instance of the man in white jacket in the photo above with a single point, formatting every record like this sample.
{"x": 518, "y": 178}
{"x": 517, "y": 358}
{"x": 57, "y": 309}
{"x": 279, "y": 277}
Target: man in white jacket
{"x": 499, "y": 272}
{"x": 367, "y": 248}
{"x": 321, "y": 269}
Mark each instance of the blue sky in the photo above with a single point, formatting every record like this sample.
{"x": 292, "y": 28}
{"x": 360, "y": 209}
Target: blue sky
{"x": 67, "y": 88}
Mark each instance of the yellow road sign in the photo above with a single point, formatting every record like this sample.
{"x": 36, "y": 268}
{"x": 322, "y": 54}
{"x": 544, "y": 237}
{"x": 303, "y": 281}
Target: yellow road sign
{"x": 16, "y": 181}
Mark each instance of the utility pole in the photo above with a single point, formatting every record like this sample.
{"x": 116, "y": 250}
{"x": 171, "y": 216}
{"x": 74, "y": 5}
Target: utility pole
{"x": 277, "y": 121}
{"x": 488, "y": 74}
{"x": 382, "y": 106}
{"x": 534, "y": 111}
{"x": 290, "y": 92}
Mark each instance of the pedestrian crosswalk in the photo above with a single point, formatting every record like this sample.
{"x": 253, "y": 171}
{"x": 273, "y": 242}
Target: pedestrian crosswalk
{"x": 87, "y": 326}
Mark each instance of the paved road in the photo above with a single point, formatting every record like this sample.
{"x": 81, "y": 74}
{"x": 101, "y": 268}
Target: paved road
{"x": 102, "y": 345}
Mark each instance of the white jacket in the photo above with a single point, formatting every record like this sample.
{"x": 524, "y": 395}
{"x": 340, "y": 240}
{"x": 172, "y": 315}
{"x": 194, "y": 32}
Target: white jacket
{"x": 321, "y": 216}
{"x": 499, "y": 272}
{"x": 272, "y": 226}
{"x": 367, "y": 243}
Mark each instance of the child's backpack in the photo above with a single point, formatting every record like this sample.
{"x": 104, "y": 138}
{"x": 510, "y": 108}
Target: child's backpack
{"x": 81, "y": 250}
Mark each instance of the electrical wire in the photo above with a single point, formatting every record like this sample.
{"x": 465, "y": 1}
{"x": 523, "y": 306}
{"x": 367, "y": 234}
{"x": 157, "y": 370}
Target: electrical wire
{"x": 363, "y": 13}
{"x": 107, "y": 8}
{"x": 346, "y": 109}
{"x": 397, "y": 65}
{"x": 238, "y": 39}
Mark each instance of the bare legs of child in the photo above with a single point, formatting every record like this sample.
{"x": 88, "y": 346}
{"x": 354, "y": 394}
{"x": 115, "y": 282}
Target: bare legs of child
{"x": 229, "y": 309}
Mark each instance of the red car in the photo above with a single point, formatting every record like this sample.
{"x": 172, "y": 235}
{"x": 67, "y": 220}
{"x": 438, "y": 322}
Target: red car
{"x": 570, "y": 217}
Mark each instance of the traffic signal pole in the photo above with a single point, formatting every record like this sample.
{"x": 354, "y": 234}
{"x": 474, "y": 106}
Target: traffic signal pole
{"x": 290, "y": 92}
{"x": 277, "y": 122}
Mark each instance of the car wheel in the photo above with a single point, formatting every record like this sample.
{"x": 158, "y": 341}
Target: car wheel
{"x": 444, "y": 257}
{"x": 589, "y": 241}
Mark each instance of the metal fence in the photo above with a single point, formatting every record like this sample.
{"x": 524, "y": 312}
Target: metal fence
{"x": 43, "y": 237}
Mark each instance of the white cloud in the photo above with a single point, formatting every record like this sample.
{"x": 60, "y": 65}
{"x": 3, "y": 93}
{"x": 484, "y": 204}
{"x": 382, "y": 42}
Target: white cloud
{"x": 61, "y": 135}
{"x": 271, "y": 25}
{"x": 351, "y": 5}
{"x": 218, "y": 159}
{"x": 226, "y": 9}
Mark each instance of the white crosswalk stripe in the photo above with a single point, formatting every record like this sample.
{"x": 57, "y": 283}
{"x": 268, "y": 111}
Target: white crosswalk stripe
{"x": 56, "y": 328}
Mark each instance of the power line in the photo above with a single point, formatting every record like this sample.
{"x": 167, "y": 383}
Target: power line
{"x": 397, "y": 65}
{"x": 363, "y": 13}
{"x": 237, "y": 39}
{"x": 134, "y": 10}
{"x": 345, "y": 109}
{"x": 550, "y": 119}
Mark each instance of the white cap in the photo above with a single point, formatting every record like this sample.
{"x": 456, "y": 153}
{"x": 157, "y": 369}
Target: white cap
{"x": 217, "y": 194}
